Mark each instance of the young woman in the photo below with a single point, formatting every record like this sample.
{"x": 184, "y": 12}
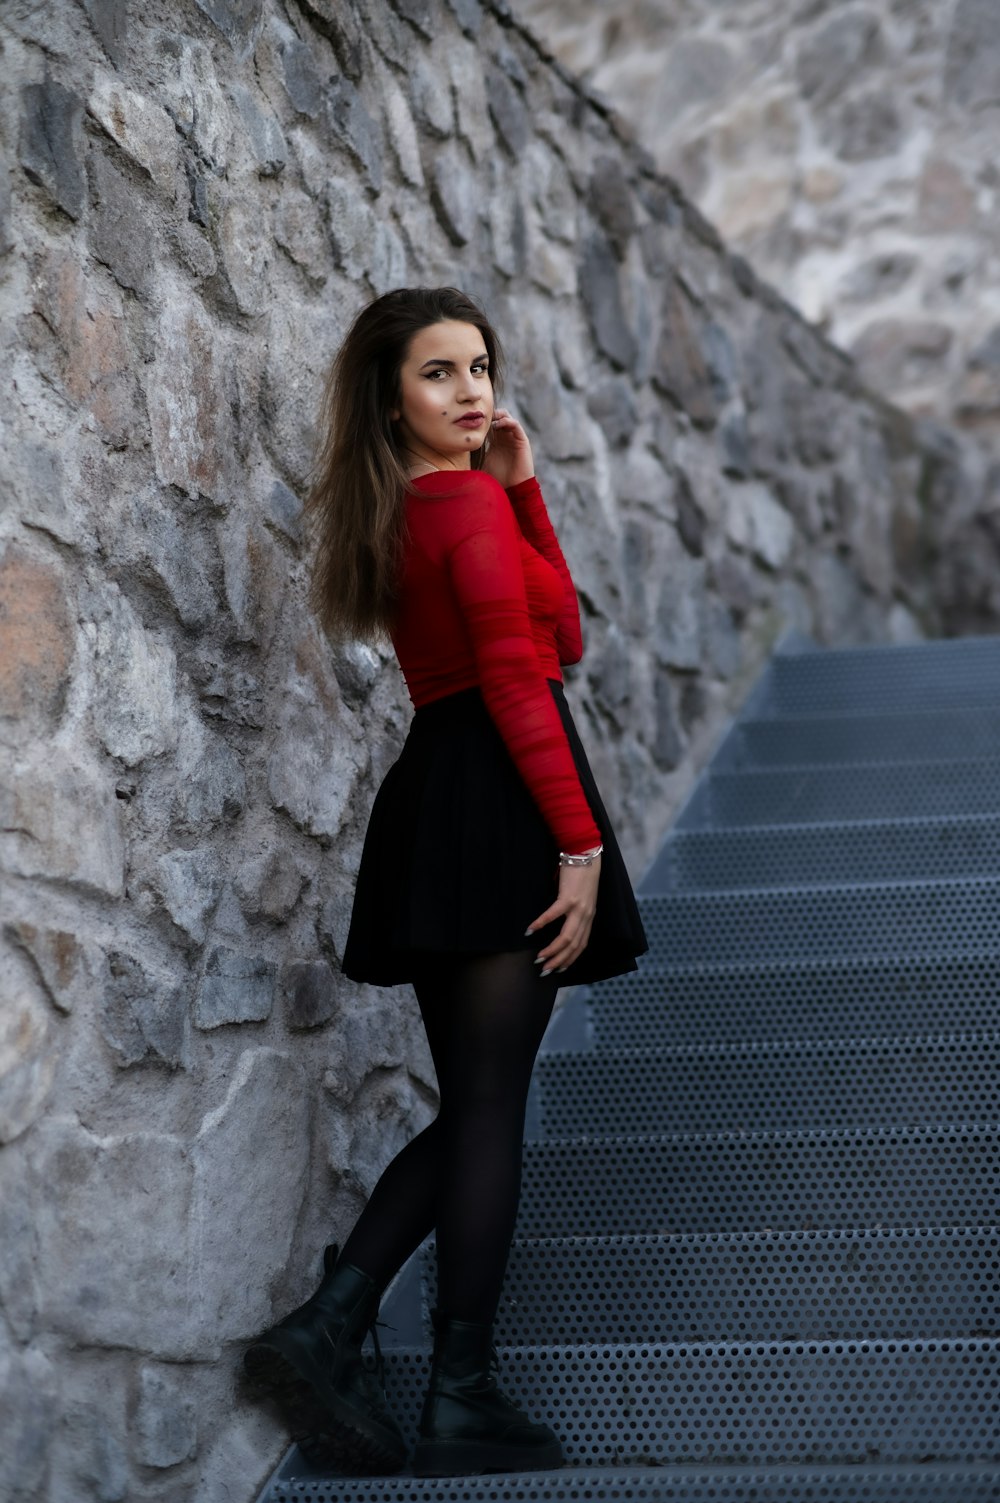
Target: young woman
{"x": 490, "y": 874}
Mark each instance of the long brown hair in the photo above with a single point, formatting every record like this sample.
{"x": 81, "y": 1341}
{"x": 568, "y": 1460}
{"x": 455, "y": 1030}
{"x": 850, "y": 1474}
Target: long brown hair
{"x": 355, "y": 504}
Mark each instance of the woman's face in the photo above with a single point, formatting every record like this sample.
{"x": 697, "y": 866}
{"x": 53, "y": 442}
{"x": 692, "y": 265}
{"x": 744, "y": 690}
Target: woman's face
{"x": 446, "y": 395}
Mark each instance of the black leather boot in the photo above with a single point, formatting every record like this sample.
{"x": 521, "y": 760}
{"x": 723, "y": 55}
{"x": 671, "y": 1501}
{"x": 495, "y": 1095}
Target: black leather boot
{"x": 310, "y": 1363}
{"x": 467, "y": 1425}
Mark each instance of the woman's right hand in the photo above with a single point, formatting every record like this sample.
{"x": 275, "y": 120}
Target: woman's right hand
{"x": 577, "y": 899}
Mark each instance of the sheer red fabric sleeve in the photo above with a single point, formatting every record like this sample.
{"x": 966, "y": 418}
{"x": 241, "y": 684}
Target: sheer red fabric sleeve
{"x": 533, "y": 518}
{"x": 484, "y": 566}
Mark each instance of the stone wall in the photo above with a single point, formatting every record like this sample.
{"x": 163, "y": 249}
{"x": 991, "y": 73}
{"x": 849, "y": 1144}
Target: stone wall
{"x": 848, "y": 150}
{"x": 196, "y": 200}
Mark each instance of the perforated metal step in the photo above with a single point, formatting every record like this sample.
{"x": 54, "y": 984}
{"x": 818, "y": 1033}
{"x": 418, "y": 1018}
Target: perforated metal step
{"x": 723, "y": 1182}
{"x": 932, "y": 1482}
{"x": 889, "y": 918}
{"x": 750, "y": 1286}
{"x": 795, "y": 999}
{"x": 938, "y": 676}
{"x": 776, "y": 1401}
{"x": 826, "y": 854}
{"x": 837, "y": 792}
{"x": 915, "y": 737}
{"x": 838, "y": 1083}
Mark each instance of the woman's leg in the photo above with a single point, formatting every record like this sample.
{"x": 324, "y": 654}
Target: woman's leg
{"x": 498, "y": 1009}
{"x": 485, "y": 1016}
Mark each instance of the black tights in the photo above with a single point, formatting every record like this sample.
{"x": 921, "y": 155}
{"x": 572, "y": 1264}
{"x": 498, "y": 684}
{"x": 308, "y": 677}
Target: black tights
{"x": 484, "y": 1016}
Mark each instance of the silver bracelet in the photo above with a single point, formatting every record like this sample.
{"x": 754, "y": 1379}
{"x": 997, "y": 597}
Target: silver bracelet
{"x": 585, "y": 858}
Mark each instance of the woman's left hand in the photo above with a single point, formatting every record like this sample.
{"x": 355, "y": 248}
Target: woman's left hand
{"x": 509, "y": 458}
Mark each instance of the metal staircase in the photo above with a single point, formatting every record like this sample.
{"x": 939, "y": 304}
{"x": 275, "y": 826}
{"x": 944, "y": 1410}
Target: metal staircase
{"x": 758, "y": 1253}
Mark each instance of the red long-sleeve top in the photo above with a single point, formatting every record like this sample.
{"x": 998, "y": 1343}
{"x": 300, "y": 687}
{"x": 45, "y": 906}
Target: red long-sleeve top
{"x": 486, "y": 598}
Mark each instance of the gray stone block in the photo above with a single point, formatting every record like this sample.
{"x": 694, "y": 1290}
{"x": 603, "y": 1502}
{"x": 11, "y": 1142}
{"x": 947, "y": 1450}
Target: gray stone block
{"x": 234, "y": 695}
{"x": 134, "y": 702}
{"x": 680, "y": 369}
{"x": 7, "y": 241}
{"x": 868, "y": 125}
{"x": 454, "y": 195}
{"x": 251, "y": 1163}
{"x": 166, "y": 1427}
{"x": 28, "y": 1047}
{"x": 403, "y": 134}
{"x": 972, "y": 62}
{"x": 121, "y": 234}
{"x": 28, "y": 1414}
{"x": 612, "y": 403}
{"x": 49, "y": 144}
{"x": 600, "y": 288}
{"x": 37, "y": 644}
{"x": 678, "y": 641}
{"x": 240, "y": 21}
{"x": 143, "y": 1016}
{"x": 268, "y": 884}
{"x": 469, "y": 15}
{"x": 609, "y": 196}
{"x": 668, "y": 743}
{"x": 301, "y": 77}
{"x": 63, "y": 962}
{"x": 112, "y": 1225}
{"x": 356, "y": 128}
{"x": 109, "y": 19}
{"x": 431, "y": 97}
{"x": 508, "y": 111}
{"x": 832, "y": 56}
{"x": 140, "y": 127}
{"x": 308, "y": 994}
{"x": 418, "y": 13}
{"x": 352, "y": 227}
{"x": 59, "y": 817}
{"x": 284, "y": 509}
{"x": 691, "y": 520}
{"x": 267, "y": 140}
{"x": 338, "y": 21}
{"x": 235, "y": 988}
{"x": 189, "y": 882}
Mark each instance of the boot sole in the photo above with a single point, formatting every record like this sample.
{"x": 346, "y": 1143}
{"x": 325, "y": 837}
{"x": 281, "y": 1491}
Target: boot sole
{"x": 328, "y": 1432}
{"x": 442, "y": 1458}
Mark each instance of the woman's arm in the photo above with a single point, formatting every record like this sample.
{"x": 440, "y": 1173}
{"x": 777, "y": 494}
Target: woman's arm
{"x": 533, "y": 519}
{"x": 510, "y": 461}
{"x": 484, "y": 566}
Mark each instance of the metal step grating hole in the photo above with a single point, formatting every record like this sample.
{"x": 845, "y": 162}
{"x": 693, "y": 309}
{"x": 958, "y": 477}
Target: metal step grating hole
{"x": 759, "y": 1087}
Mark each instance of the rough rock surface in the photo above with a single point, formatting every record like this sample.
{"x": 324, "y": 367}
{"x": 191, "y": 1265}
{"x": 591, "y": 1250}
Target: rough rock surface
{"x": 849, "y": 151}
{"x": 193, "y": 1099}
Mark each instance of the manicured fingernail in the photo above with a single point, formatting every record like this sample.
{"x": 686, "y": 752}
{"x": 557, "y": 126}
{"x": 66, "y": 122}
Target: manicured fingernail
{"x": 529, "y": 930}
{"x": 539, "y": 959}
{"x": 546, "y": 971}
{"x": 562, "y": 968}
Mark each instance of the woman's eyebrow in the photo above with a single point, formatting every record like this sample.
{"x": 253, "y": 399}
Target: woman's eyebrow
{"x": 476, "y": 360}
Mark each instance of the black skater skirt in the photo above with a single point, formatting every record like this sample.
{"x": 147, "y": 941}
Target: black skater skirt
{"x": 457, "y": 856}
